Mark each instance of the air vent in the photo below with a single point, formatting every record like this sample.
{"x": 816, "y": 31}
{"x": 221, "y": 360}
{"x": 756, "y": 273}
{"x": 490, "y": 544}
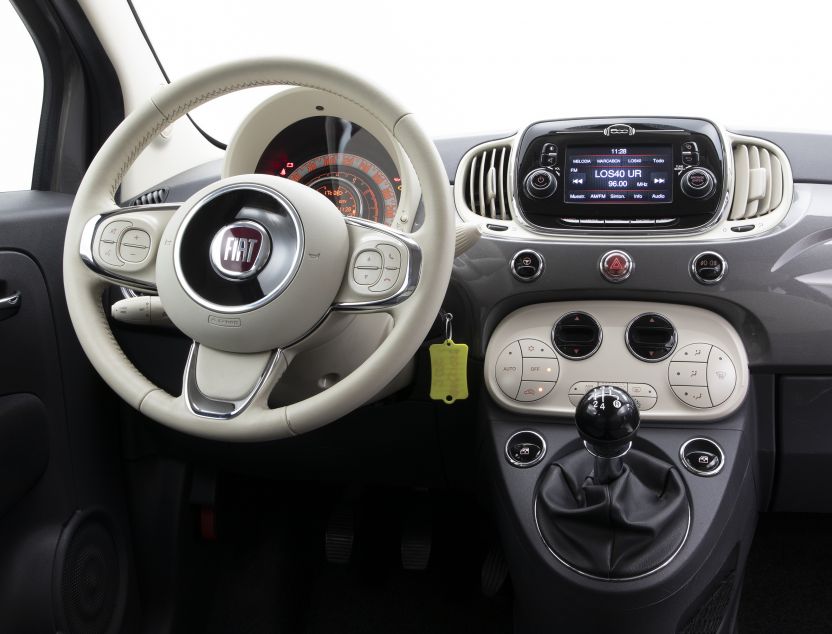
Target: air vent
{"x": 153, "y": 197}
{"x": 759, "y": 181}
{"x": 486, "y": 182}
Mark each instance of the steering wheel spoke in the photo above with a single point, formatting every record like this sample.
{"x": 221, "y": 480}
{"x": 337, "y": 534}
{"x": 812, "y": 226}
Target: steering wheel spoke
{"x": 383, "y": 268}
{"x": 223, "y": 385}
{"x": 120, "y": 245}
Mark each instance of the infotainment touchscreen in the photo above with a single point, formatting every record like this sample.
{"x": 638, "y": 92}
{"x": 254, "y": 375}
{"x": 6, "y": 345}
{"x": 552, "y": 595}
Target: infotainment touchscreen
{"x": 625, "y": 174}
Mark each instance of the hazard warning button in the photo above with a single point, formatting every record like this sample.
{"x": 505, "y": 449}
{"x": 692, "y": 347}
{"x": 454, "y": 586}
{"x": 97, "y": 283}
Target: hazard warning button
{"x": 616, "y": 266}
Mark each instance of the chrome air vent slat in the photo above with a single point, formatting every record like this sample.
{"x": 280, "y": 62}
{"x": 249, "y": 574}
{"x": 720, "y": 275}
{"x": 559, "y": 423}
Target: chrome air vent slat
{"x": 485, "y": 181}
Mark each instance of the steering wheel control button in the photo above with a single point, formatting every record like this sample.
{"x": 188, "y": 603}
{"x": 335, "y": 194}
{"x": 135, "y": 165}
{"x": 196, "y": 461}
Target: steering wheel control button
{"x": 722, "y": 376}
{"x": 131, "y": 253}
{"x": 702, "y": 457}
{"x": 136, "y": 238}
{"x": 509, "y": 370}
{"x": 369, "y": 259}
{"x": 112, "y": 230}
{"x": 577, "y": 335}
{"x": 651, "y": 337}
{"x": 527, "y": 265}
{"x": 698, "y": 183}
{"x": 107, "y": 251}
{"x": 533, "y": 390}
{"x": 525, "y": 449}
{"x": 387, "y": 280}
{"x": 537, "y": 349}
{"x": 693, "y": 352}
{"x": 616, "y": 266}
{"x": 391, "y": 256}
{"x": 540, "y": 369}
{"x": 540, "y": 183}
{"x": 688, "y": 373}
{"x": 694, "y": 396}
{"x": 708, "y": 268}
{"x": 366, "y": 277}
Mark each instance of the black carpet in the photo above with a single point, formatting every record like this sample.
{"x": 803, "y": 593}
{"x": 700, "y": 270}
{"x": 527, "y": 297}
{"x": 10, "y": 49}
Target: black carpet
{"x": 788, "y": 585}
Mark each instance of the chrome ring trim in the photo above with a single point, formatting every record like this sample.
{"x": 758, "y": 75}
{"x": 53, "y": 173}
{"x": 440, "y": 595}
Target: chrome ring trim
{"x": 722, "y": 214}
{"x": 536, "y": 275}
{"x": 594, "y": 350}
{"x": 640, "y": 358}
{"x": 217, "y": 409}
{"x": 412, "y": 275}
{"x": 698, "y": 279}
{"x": 631, "y": 266}
{"x": 611, "y": 579}
{"x": 525, "y": 465}
{"x": 703, "y": 474}
{"x": 275, "y": 292}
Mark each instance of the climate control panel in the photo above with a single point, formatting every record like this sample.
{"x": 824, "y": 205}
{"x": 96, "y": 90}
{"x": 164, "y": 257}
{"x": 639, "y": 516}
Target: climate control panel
{"x": 677, "y": 362}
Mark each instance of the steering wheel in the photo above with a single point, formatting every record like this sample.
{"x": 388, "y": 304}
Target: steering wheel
{"x": 250, "y": 266}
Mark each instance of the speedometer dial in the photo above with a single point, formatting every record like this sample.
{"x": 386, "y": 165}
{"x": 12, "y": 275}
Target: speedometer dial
{"x": 355, "y": 185}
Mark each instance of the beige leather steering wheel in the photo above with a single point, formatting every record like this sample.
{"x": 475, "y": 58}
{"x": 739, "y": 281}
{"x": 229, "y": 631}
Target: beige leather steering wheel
{"x": 251, "y": 265}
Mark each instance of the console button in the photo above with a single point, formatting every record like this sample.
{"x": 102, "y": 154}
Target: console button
{"x": 534, "y": 390}
{"x": 687, "y": 373}
{"x": 702, "y": 460}
{"x": 641, "y": 390}
{"x": 577, "y": 391}
{"x": 548, "y": 160}
{"x": 643, "y": 403}
{"x": 698, "y": 183}
{"x": 525, "y": 448}
{"x": 693, "y": 352}
{"x": 540, "y": 369}
{"x": 527, "y": 265}
{"x": 549, "y": 148}
{"x": 616, "y": 266}
{"x": 536, "y": 348}
{"x": 690, "y": 146}
{"x": 708, "y": 268}
{"x": 693, "y": 396}
{"x": 540, "y": 183}
{"x": 509, "y": 369}
{"x": 722, "y": 376}
{"x": 690, "y": 158}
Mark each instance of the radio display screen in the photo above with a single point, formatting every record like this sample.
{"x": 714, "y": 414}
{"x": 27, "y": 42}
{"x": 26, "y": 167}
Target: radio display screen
{"x": 619, "y": 174}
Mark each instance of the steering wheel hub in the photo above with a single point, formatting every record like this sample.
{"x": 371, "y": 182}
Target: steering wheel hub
{"x": 251, "y": 263}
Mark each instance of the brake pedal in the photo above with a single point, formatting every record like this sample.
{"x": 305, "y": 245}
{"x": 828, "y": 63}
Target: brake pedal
{"x": 340, "y": 534}
{"x": 417, "y": 532}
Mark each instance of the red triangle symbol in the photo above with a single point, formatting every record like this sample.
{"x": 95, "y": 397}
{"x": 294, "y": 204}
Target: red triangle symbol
{"x": 617, "y": 264}
{"x": 577, "y": 351}
{"x": 652, "y": 353}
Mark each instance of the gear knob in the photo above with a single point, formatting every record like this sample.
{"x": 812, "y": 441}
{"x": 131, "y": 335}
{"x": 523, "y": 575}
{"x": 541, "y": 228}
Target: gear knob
{"x": 607, "y": 419}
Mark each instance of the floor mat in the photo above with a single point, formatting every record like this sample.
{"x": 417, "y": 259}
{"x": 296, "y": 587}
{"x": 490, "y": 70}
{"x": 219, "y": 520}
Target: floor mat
{"x": 788, "y": 584}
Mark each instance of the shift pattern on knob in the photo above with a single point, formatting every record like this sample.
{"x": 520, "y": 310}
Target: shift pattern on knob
{"x": 607, "y": 419}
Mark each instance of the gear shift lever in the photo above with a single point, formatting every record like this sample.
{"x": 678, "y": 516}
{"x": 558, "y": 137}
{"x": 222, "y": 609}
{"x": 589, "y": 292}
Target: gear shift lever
{"x": 607, "y": 421}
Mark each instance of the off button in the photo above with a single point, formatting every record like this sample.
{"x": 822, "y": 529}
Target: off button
{"x": 616, "y": 266}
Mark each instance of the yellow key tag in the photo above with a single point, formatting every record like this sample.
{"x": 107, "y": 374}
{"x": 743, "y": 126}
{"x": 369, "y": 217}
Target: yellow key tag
{"x": 448, "y": 371}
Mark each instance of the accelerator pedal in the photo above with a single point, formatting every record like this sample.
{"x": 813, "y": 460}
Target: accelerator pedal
{"x": 494, "y": 571}
{"x": 340, "y": 533}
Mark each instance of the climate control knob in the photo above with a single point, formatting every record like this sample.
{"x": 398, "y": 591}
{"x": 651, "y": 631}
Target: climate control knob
{"x": 698, "y": 183}
{"x": 540, "y": 183}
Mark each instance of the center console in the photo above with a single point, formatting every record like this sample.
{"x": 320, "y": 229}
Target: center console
{"x": 622, "y": 435}
{"x": 632, "y": 174}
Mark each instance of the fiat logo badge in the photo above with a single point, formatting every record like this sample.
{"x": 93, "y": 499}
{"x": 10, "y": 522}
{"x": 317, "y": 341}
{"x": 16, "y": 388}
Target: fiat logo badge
{"x": 240, "y": 250}
{"x": 619, "y": 129}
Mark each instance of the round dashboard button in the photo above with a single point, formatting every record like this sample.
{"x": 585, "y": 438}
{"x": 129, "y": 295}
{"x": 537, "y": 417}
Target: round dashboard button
{"x": 616, "y": 266}
{"x": 708, "y": 268}
{"x": 527, "y": 265}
